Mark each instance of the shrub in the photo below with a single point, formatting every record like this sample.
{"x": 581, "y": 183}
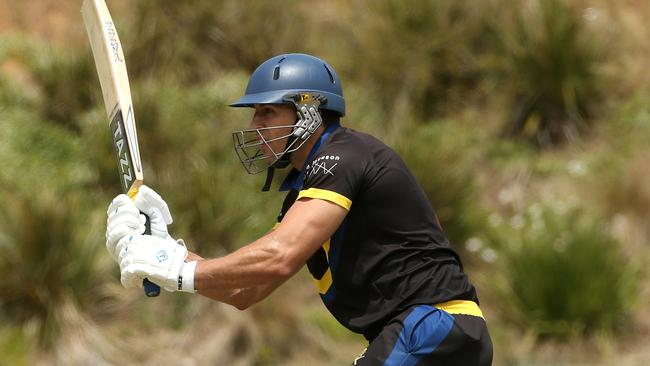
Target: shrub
{"x": 13, "y": 345}
{"x": 619, "y": 162}
{"x": 564, "y": 273}
{"x": 59, "y": 84}
{"x": 190, "y": 42}
{"x": 69, "y": 85}
{"x": 52, "y": 252}
{"x": 50, "y": 233}
{"x": 547, "y": 59}
{"x": 420, "y": 55}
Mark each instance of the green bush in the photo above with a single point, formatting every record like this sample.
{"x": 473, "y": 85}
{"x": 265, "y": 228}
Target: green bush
{"x": 51, "y": 234}
{"x": 13, "y": 346}
{"x": 68, "y": 82}
{"x": 419, "y": 55}
{"x": 193, "y": 42}
{"x": 618, "y": 183}
{"x": 627, "y": 131}
{"x": 52, "y": 252}
{"x": 547, "y": 60}
{"x": 564, "y": 273}
{"x": 58, "y": 84}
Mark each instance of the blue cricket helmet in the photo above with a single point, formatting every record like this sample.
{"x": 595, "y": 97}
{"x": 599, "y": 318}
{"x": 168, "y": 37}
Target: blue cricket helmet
{"x": 293, "y": 73}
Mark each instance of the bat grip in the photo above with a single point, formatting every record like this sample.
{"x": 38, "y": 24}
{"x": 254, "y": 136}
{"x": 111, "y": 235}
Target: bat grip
{"x": 150, "y": 288}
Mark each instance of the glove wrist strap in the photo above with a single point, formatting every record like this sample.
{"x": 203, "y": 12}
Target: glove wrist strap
{"x": 186, "y": 278}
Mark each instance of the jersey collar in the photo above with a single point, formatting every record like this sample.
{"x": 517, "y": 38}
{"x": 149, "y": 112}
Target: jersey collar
{"x": 296, "y": 178}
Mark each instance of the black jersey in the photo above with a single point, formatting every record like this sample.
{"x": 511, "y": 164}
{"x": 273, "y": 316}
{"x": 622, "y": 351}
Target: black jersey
{"x": 390, "y": 252}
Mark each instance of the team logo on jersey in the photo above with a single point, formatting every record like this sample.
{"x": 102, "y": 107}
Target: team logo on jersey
{"x": 323, "y": 165}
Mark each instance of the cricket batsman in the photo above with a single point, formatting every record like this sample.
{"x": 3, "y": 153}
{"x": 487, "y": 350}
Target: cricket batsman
{"x": 353, "y": 213}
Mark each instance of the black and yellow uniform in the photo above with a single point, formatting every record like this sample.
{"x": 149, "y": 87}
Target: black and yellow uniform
{"x": 390, "y": 253}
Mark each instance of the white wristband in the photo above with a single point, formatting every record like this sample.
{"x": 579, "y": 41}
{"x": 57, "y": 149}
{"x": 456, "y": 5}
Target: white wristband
{"x": 186, "y": 281}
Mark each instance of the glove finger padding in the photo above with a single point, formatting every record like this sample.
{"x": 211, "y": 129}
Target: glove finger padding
{"x": 118, "y": 201}
{"x": 124, "y": 219}
{"x": 150, "y": 203}
{"x": 131, "y": 279}
{"x": 129, "y": 220}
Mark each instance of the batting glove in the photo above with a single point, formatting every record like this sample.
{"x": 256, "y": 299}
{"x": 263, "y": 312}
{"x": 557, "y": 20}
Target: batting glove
{"x": 162, "y": 261}
{"x": 152, "y": 205}
{"x": 124, "y": 219}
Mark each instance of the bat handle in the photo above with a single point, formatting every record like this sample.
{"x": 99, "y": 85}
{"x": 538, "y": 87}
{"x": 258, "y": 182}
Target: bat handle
{"x": 150, "y": 288}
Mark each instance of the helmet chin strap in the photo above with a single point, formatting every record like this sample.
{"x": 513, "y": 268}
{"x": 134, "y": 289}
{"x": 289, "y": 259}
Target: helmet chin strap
{"x": 283, "y": 162}
{"x": 269, "y": 179}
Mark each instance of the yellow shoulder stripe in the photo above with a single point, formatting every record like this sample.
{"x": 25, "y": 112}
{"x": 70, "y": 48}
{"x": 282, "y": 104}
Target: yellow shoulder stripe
{"x": 326, "y": 195}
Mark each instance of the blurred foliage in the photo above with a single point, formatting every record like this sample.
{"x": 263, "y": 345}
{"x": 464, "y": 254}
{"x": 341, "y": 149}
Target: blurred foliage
{"x": 622, "y": 161}
{"x": 419, "y": 55}
{"x": 34, "y": 152}
{"x": 209, "y": 37}
{"x": 48, "y": 226}
{"x": 68, "y": 81}
{"x": 565, "y": 275}
{"x": 13, "y": 346}
{"x": 547, "y": 58}
{"x": 58, "y": 84}
{"x": 49, "y": 254}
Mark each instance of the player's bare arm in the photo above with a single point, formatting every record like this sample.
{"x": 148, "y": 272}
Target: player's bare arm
{"x": 251, "y": 273}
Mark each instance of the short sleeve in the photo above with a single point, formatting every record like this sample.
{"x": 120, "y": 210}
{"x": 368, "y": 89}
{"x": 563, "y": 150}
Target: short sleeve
{"x": 334, "y": 175}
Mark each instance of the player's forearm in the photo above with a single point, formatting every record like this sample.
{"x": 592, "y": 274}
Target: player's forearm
{"x": 241, "y": 298}
{"x": 224, "y": 291}
{"x": 266, "y": 261}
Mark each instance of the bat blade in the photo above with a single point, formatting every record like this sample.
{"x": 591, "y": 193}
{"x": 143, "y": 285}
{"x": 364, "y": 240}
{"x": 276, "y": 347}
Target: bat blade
{"x": 114, "y": 80}
{"x": 111, "y": 69}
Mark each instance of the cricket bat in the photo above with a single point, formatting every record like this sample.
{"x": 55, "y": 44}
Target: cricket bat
{"x": 111, "y": 69}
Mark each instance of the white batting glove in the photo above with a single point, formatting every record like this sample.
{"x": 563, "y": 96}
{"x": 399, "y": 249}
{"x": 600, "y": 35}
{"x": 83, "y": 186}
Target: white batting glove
{"x": 124, "y": 219}
{"x": 152, "y": 205}
{"x": 162, "y": 261}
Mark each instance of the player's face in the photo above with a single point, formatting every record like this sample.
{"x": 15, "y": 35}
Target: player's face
{"x": 276, "y": 122}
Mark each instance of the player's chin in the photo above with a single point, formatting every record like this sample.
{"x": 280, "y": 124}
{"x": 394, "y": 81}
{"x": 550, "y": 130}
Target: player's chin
{"x": 270, "y": 159}
{"x": 268, "y": 151}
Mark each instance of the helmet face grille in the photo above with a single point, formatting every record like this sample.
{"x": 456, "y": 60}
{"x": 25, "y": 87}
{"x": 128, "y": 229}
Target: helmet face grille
{"x": 254, "y": 146}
